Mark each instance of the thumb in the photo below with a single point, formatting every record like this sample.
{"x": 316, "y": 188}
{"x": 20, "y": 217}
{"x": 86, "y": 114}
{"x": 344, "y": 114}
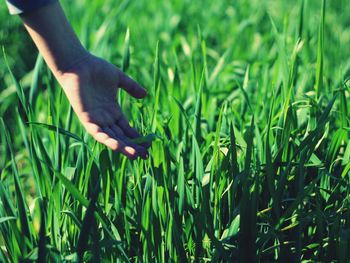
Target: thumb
{"x": 131, "y": 86}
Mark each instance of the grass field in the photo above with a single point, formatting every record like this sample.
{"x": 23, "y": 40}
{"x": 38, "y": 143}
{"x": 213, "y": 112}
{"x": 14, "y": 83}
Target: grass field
{"x": 249, "y": 101}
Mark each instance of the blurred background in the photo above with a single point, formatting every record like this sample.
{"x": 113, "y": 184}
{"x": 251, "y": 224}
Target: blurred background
{"x": 252, "y": 150}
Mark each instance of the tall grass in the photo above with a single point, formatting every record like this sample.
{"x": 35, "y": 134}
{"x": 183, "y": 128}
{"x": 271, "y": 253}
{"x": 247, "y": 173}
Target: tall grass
{"x": 249, "y": 104}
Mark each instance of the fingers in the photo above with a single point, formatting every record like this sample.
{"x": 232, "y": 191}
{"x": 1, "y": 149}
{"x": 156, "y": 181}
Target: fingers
{"x": 118, "y": 132}
{"x": 130, "y": 131}
{"x": 103, "y": 137}
{"x": 108, "y": 137}
{"x": 127, "y": 129}
{"x": 129, "y": 150}
{"x": 131, "y": 86}
{"x": 123, "y": 124}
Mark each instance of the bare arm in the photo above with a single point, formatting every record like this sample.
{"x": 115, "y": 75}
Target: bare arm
{"x": 54, "y": 37}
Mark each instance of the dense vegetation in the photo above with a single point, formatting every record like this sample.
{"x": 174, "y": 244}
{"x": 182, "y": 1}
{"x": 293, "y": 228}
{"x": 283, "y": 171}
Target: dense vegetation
{"x": 249, "y": 102}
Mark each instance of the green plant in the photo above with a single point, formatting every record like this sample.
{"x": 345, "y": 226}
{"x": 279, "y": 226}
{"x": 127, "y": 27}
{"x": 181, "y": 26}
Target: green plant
{"x": 248, "y": 113}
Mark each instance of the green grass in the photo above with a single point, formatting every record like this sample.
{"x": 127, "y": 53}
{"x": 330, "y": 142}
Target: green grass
{"x": 250, "y": 161}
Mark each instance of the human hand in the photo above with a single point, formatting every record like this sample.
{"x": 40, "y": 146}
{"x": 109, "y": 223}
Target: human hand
{"x": 91, "y": 86}
{"x": 89, "y": 82}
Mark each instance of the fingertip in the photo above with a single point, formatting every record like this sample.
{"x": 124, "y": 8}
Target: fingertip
{"x": 146, "y": 92}
{"x": 130, "y": 150}
{"x": 142, "y": 94}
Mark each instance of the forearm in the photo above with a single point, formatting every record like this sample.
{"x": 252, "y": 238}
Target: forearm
{"x": 54, "y": 37}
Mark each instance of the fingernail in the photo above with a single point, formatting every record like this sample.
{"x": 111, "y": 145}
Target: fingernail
{"x": 130, "y": 150}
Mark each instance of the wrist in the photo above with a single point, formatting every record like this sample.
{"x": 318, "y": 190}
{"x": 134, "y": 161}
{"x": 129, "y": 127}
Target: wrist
{"x": 54, "y": 37}
{"x": 63, "y": 64}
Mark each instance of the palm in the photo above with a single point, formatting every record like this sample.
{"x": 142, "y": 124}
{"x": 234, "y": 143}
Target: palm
{"x": 91, "y": 87}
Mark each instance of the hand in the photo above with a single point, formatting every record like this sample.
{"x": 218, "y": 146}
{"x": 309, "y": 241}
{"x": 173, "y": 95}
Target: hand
{"x": 91, "y": 87}
{"x": 90, "y": 83}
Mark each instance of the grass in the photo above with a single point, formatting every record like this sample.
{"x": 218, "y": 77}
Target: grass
{"x": 248, "y": 103}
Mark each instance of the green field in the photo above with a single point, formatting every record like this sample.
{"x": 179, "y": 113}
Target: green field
{"x": 249, "y": 101}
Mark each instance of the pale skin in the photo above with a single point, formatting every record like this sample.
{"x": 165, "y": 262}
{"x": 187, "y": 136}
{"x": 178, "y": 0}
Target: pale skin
{"x": 90, "y": 83}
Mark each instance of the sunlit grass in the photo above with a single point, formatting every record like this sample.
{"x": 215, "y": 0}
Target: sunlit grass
{"x": 248, "y": 114}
